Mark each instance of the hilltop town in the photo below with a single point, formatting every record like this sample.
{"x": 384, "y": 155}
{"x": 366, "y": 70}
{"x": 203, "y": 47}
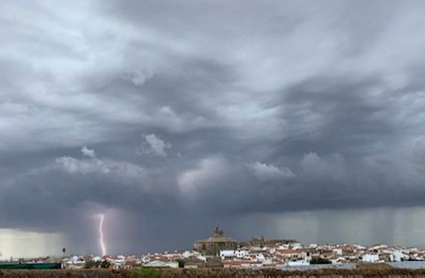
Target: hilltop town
{"x": 221, "y": 251}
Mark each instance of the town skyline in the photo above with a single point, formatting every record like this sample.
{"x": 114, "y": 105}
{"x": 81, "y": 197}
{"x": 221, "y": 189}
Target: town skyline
{"x": 55, "y": 251}
{"x": 219, "y": 250}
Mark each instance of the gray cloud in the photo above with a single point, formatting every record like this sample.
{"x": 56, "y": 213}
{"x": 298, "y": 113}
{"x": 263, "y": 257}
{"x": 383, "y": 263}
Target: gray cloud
{"x": 183, "y": 115}
{"x": 88, "y": 152}
{"x": 270, "y": 172}
{"x": 156, "y": 145}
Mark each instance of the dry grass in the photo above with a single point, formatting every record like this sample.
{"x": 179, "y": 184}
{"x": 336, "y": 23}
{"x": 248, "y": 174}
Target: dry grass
{"x": 373, "y": 266}
{"x": 324, "y": 273}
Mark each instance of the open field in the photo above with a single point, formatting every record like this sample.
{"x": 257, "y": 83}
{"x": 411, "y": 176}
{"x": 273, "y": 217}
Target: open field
{"x": 325, "y": 273}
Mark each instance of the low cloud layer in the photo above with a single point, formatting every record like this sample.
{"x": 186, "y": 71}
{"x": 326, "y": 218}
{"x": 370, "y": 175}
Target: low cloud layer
{"x": 173, "y": 118}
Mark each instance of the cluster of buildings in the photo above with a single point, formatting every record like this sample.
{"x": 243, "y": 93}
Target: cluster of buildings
{"x": 220, "y": 251}
{"x": 259, "y": 252}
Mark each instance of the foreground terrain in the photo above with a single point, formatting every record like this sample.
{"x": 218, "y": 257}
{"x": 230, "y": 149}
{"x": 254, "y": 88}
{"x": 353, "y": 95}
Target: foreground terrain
{"x": 340, "y": 273}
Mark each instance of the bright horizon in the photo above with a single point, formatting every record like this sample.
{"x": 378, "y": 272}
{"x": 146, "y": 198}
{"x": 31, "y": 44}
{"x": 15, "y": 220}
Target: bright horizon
{"x": 292, "y": 226}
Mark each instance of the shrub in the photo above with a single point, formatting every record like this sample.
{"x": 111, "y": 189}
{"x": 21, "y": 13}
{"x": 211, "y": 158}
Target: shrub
{"x": 320, "y": 260}
{"x": 147, "y": 272}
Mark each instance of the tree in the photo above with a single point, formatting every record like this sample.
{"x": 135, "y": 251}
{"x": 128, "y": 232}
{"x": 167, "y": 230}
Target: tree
{"x": 105, "y": 264}
{"x": 320, "y": 260}
{"x": 90, "y": 264}
{"x": 181, "y": 263}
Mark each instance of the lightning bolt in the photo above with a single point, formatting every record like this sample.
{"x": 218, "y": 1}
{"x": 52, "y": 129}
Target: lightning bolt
{"x": 102, "y": 243}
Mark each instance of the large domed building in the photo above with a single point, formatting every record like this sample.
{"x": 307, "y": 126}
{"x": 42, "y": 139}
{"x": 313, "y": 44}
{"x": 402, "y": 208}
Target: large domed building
{"x": 214, "y": 244}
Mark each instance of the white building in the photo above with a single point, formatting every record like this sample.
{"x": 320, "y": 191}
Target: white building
{"x": 296, "y": 245}
{"x": 298, "y": 263}
{"x": 187, "y": 254}
{"x": 233, "y": 254}
{"x": 158, "y": 263}
{"x": 338, "y": 251}
{"x": 260, "y": 257}
{"x": 398, "y": 256}
{"x": 370, "y": 258}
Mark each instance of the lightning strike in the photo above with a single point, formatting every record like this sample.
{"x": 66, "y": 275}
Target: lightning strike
{"x": 102, "y": 243}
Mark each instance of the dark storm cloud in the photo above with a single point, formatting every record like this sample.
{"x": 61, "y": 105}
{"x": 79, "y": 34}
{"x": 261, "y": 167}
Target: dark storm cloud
{"x": 184, "y": 115}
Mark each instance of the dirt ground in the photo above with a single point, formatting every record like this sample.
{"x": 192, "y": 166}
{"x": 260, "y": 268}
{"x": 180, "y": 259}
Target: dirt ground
{"x": 375, "y": 271}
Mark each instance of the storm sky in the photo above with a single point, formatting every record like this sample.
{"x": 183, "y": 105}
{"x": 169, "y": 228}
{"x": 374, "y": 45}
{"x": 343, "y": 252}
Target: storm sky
{"x": 288, "y": 119}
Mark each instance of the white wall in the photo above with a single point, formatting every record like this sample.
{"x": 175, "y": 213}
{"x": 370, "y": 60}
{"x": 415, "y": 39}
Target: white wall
{"x": 233, "y": 253}
{"x": 370, "y": 258}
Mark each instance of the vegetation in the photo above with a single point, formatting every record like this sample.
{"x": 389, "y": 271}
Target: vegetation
{"x": 218, "y": 272}
{"x": 147, "y": 272}
{"x": 105, "y": 264}
{"x": 90, "y": 264}
{"x": 97, "y": 264}
{"x": 181, "y": 263}
{"x": 320, "y": 260}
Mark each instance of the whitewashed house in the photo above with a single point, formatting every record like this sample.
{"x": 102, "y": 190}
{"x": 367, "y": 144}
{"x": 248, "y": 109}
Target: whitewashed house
{"x": 370, "y": 258}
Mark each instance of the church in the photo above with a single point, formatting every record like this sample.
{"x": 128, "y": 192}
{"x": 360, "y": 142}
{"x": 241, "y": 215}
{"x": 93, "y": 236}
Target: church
{"x": 214, "y": 244}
